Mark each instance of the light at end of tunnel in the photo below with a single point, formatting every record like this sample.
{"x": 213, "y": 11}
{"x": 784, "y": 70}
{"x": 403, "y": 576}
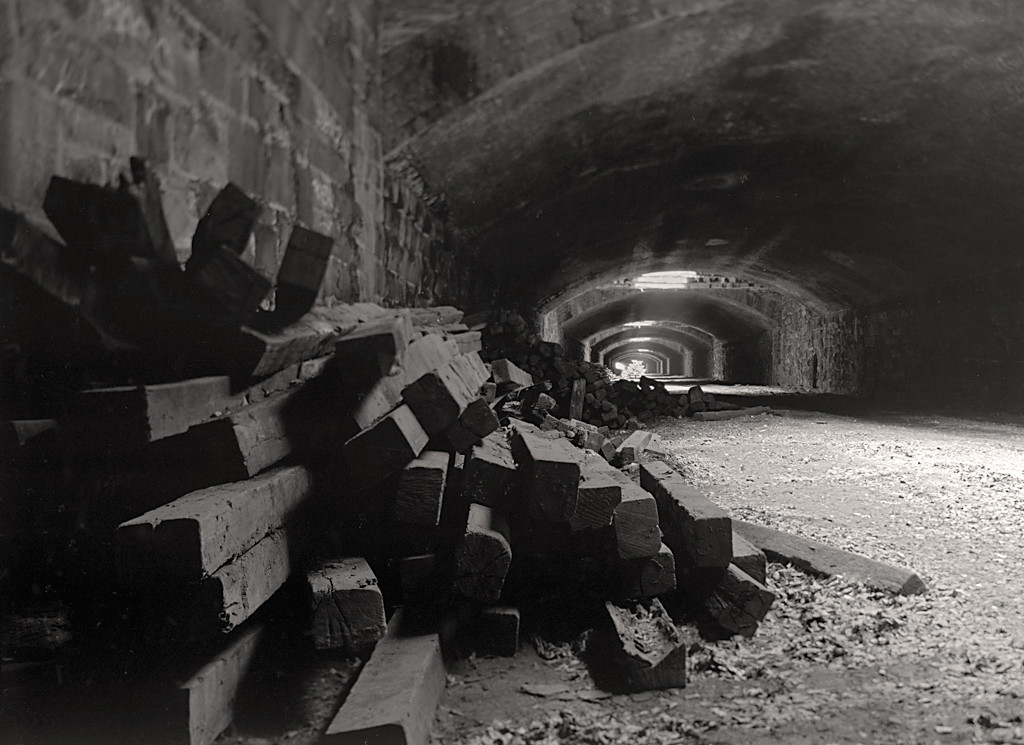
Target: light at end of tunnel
{"x": 640, "y": 324}
{"x": 664, "y": 280}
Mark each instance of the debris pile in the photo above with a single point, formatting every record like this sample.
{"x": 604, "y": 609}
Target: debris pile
{"x": 587, "y": 391}
{"x": 230, "y": 453}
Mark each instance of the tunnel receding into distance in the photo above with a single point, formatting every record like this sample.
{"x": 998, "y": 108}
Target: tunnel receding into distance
{"x": 834, "y": 187}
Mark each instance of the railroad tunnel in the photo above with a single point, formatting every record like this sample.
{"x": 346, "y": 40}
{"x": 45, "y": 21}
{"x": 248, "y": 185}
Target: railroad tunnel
{"x": 817, "y": 196}
{"x": 826, "y": 192}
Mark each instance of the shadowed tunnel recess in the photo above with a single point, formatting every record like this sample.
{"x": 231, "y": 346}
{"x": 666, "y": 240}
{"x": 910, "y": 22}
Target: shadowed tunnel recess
{"x": 847, "y": 165}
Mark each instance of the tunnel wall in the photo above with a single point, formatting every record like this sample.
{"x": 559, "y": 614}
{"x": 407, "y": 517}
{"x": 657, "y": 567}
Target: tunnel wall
{"x": 283, "y": 98}
{"x": 959, "y": 344}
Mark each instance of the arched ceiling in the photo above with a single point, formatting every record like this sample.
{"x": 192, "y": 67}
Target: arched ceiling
{"x": 666, "y": 353}
{"x": 838, "y": 150}
{"x": 658, "y": 335}
{"x": 720, "y": 317}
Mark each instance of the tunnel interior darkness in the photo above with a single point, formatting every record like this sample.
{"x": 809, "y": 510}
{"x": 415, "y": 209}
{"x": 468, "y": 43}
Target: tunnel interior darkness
{"x": 844, "y": 176}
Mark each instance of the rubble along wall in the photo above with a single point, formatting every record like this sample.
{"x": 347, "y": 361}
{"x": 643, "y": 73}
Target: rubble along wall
{"x": 959, "y": 344}
{"x": 283, "y": 98}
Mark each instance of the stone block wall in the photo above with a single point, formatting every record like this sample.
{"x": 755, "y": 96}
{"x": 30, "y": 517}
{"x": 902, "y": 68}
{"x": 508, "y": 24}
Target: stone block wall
{"x": 282, "y": 97}
{"x": 959, "y": 344}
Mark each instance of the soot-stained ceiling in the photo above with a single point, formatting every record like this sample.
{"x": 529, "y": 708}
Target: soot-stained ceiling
{"x": 838, "y": 152}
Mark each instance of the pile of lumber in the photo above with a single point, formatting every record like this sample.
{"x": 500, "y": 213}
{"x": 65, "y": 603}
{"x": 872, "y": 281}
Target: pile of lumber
{"x": 234, "y": 447}
{"x": 587, "y": 391}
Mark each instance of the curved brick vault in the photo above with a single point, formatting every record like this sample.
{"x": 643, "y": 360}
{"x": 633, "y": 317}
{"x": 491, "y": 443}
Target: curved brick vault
{"x": 848, "y": 154}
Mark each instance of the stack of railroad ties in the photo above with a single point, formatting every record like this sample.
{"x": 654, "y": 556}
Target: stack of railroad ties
{"x": 433, "y": 498}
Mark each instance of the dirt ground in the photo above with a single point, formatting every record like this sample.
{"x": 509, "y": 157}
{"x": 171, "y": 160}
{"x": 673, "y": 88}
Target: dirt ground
{"x": 834, "y": 662}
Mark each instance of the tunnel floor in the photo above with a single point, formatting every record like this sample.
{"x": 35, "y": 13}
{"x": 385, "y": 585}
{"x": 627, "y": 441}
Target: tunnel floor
{"x": 833, "y": 662}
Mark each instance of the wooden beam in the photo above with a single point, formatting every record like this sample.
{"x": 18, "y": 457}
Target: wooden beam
{"x": 204, "y": 705}
{"x": 419, "y": 491}
{"x": 483, "y": 556}
{"x": 396, "y": 695}
{"x": 194, "y": 536}
{"x": 347, "y": 604}
{"x": 137, "y": 414}
{"x": 637, "y": 531}
{"x": 234, "y": 592}
{"x": 737, "y": 602}
{"x": 384, "y": 448}
{"x": 598, "y": 496}
{"x": 647, "y": 577}
{"x": 823, "y": 560}
{"x": 250, "y": 439}
{"x": 301, "y": 273}
{"x": 632, "y": 447}
{"x": 490, "y": 476}
{"x": 717, "y": 416}
{"x": 228, "y": 222}
{"x": 749, "y": 557}
{"x": 232, "y": 290}
{"x": 642, "y": 647}
{"x": 551, "y": 475}
{"x": 698, "y": 531}
{"x": 373, "y": 349}
{"x": 509, "y": 377}
{"x": 261, "y": 352}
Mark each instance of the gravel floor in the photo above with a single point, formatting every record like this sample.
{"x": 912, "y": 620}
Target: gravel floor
{"x": 942, "y": 496}
{"x": 833, "y": 662}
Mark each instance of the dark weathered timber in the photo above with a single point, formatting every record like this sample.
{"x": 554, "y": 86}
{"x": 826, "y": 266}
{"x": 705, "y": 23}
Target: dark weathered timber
{"x": 597, "y": 497}
{"x": 509, "y": 377}
{"x": 228, "y": 597}
{"x": 737, "y": 602}
{"x": 637, "y": 530}
{"x": 373, "y": 349}
{"x": 698, "y": 531}
{"x": 551, "y": 475}
{"x": 490, "y": 476}
{"x": 438, "y": 398}
{"x": 301, "y": 273}
{"x": 232, "y": 290}
{"x": 823, "y": 560}
{"x": 385, "y": 448}
{"x": 347, "y": 605}
{"x": 642, "y": 646}
{"x": 483, "y": 556}
{"x": 717, "y": 416}
{"x": 258, "y": 353}
{"x": 749, "y": 557}
{"x": 419, "y": 491}
{"x": 456, "y": 438}
{"x": 101, "y": 221}
{"x": 145, "y": 413}
{"x": 479, "y": 418}
{"x": 197, "y": 534}
{"x": 396, "y": 694}
{"x": 228, "y": 222}
{"x": 468, "y": 342}
{"x": 250, "y": 439}
{"x": 204, "y": 705}
{"x": 632, "y": 447}
{"x": 647, "y": 577}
